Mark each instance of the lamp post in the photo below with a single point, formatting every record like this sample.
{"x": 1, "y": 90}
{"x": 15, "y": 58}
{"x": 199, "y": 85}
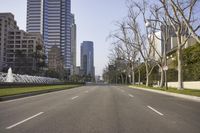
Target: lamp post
{"x": 165, "y": 67}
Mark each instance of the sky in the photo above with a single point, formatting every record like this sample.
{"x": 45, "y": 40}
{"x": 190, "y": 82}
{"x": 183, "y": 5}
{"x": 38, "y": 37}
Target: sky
{"x": 95, "y": 20}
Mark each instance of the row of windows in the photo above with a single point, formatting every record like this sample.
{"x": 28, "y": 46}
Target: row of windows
{"x": 36, "y": 9}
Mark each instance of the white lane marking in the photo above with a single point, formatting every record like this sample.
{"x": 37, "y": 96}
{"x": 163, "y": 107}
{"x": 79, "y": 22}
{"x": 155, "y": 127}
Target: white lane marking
{"x": 74, "y": 97}
{"x": 86, "y": 91}
{"x": 130, "y": 95}
{"x": 155, "y": 110}
{"x": 18, "y": 123}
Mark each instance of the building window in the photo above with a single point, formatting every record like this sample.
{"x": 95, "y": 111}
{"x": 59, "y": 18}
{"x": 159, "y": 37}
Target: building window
{"x": 17, "y": 46}
{"x": 30, "y": 46}
{"x": 17, "y": 42}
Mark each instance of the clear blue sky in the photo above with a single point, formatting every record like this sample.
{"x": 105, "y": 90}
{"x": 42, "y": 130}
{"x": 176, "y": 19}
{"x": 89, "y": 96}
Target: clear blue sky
{"x": 94, "y": 18}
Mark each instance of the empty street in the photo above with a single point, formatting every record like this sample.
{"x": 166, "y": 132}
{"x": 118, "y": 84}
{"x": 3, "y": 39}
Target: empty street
{"x": 100, "y": 109}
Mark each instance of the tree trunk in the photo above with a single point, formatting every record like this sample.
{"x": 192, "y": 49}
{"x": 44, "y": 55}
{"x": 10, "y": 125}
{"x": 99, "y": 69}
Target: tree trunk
{"x": 180, "y": 73}
{"x": 115, "y": 78}
{"x": 126, "y": 78}
{"x": 147, "y": 74}
{"x": 122, "y": 78}
{"x": 161, "y": 78}
{"x": 133, "y": 75}
{"x": 139, "y": 76}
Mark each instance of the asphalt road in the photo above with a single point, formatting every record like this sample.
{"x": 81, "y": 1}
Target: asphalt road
{"x": 100, "y": 109}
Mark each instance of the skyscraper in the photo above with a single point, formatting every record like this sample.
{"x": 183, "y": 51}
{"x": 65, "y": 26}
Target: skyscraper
{"x": 52, "y": 18}
{"x": 87, "y": 58}
{"x": 73, "y": 43}
{"x": 34, "y": 16}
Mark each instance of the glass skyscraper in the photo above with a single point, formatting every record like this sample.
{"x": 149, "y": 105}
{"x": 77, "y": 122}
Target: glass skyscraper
{"x": 52, "y": 18}
{"x": 87, "y": 58}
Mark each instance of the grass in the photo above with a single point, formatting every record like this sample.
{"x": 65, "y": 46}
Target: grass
{"x": 191, "y": 92}
{"x": 22, "y": 90}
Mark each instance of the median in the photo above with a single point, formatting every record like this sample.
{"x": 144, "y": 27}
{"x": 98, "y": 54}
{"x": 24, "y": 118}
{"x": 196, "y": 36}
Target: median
{"x": 12, "y": 93}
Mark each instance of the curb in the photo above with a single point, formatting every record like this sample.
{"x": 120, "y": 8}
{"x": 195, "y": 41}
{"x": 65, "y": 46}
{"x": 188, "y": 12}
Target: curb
{"x": 193, "y": 98}
{"x": 11, "y": 97}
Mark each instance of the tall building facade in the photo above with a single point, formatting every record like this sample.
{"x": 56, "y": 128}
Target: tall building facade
{"x": 73, "y": 43}
{"x": 87, "y": 58}
{"x": 19, "y": 50}
{"x": 34, "y": 16}
{"x": 53, "y": 20}
{"x": 165, "y": 40}
{"x": 7, "y": 23}
{"x": 24, "y": 51}
{"x": 55, "y": 61}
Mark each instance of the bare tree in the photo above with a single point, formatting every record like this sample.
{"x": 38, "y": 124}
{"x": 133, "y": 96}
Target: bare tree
{"x": 187, "y": 9}
{"x": 181, "y": 31}
{"x": 145, "y": 42}
{"x": 127, "y": 52}
{"x": 159, "y": 30}
{"x": 117, "y": 64}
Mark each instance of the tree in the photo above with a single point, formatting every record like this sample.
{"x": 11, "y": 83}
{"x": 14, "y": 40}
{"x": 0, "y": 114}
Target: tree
{"x": 21, "y": 62}
{"x": 191, "y": 56}
{"x": 181, "y": 31}
{"x": 39, "y": 59}
{"x": 188, "y": 10}
{"x": 125, "y": 50}
{"x": 142, "y": 40}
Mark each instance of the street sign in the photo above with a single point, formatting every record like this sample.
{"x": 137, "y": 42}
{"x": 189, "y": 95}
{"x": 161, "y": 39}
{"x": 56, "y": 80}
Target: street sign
{"x": 165, "y": 68}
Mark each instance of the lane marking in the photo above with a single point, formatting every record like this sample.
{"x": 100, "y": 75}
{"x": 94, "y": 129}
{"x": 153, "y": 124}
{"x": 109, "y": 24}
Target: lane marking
{"x": 130, "y": 95}
{"x": 86, "y": 91}
{"x": 18, "y": 123}
{"x": 74, "y": 97}
{"x": 155, "y": 110}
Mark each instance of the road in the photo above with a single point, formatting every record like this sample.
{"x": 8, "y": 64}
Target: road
{"x": 100, "y": 109}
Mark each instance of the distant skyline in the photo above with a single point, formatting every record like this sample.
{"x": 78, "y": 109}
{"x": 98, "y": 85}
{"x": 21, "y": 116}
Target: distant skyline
{"x": 95, "y": 19}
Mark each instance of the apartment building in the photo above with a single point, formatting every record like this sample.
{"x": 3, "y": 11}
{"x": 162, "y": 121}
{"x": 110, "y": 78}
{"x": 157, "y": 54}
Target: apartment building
{"x": 21, "y": 51}
{"x": 7, "y": 23}
{"x": 24, "y": 51}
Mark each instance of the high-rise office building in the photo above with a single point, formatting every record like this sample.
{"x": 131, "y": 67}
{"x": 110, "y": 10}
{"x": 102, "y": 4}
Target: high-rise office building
{"x": 53, "y": 20}
{"x": 73, "y": 44}
{"x": 34, "y": 16}
{"x": 87, "y": 58}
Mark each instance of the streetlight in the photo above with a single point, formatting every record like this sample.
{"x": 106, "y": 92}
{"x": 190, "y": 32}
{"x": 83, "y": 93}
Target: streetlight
{"x": 148, "y": 23}
{"x": 165, "y": 67}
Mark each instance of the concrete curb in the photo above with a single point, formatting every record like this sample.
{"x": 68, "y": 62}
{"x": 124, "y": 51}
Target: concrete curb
{"x": 193, "y": 98}
{"x": 5, "y": 98}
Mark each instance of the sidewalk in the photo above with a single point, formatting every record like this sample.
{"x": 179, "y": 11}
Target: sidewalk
{"x": 193, "y": 98}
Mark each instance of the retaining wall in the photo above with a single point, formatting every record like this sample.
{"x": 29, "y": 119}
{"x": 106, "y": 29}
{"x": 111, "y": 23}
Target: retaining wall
{"x": 188, "y": 85}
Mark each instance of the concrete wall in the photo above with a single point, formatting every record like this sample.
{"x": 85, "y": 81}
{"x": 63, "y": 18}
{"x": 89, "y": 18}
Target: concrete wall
{"x": 187, "y": 85}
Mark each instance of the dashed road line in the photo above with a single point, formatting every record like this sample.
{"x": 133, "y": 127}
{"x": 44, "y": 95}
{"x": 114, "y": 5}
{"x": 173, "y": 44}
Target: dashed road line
{"x": 74, "y": 97}
{"x": 130, "y": 95}
{"x": 18, "y": 123}
{"x": 155, "y": 110}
